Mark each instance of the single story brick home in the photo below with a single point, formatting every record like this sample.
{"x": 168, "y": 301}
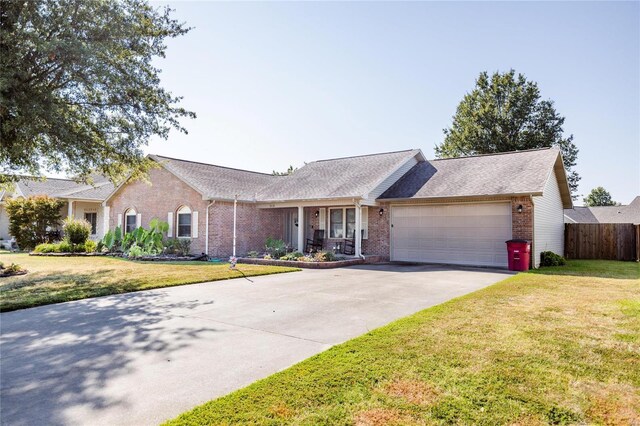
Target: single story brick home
{"x": 81, "y": 201}
{"x": 605, "y": 214}
{"x": 396, "y": 205}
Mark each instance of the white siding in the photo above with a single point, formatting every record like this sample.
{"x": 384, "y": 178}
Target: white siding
{"x": 392, "y": 178}
{"x": 548, "y": 220}
{"x": 4, "y": 224}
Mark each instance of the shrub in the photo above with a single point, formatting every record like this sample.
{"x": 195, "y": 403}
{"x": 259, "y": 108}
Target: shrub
{"x": 305, "y": 259}
{"x": 112, "y": 240}
{"x": 275, "y": 248}
{"x": 30, "y": 218}
{"x": 65, "y": 246}
{"x": 178, "y": 246}
{"x": 135, "y": 251}
{"x": 325, "y": 256}
{"x": 549, "y": 258}
{"x": 13, "y": 269}
{"x": 90, "y": 246}
{"x": 292, "y": 256}
{"x": 252, "y": 254}
{"x": 77, "y": 231}
{"x": 47, "y": 248}
{"x": 267, "y": 257}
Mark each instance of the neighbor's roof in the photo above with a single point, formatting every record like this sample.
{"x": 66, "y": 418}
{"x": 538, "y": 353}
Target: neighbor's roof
{"x": 606, "y": 214}
{"x": 519, "y": 172}
{"x": 337, "y": 178}
{"x": 65, "y": 188}
{"x": 217, "y": 182}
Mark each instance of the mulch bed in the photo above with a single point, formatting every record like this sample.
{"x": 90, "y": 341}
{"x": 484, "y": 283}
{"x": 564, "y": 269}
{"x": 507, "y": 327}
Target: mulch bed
{"x": 13, "y": 274}
{"x": 298, "y": 264}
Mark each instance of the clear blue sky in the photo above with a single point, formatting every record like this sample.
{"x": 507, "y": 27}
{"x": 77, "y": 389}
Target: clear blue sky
{"x": 276, "y": 84}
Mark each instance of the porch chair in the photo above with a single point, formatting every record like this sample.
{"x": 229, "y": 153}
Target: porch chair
{"x": 350, "y": 245}
{"x": 316, "y": 243}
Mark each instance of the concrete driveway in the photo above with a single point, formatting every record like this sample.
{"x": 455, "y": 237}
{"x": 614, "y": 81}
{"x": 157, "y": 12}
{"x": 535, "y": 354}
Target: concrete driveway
{"x": 145, "y": 357}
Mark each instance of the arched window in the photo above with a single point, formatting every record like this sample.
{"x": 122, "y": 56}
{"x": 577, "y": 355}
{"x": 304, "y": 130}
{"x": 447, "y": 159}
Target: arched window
{"x": 130, "y": 221}
{"x": 184, "y": 222}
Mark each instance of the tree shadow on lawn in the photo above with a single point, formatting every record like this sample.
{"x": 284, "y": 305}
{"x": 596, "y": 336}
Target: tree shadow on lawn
{"x": 613, "y": 269}
{"x": 61, "y": 357}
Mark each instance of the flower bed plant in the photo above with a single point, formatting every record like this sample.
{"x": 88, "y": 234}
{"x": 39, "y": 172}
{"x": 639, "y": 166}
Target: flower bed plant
{"x": 11, "y": 270}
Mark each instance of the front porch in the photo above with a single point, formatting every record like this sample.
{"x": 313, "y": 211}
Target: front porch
{"x": 350, "y": 229}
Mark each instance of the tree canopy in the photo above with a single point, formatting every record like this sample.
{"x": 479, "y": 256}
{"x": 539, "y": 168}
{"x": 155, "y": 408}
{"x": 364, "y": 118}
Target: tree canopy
{"x": 599, "y": 197}
{"x": 78, "y": 90}
{"x": 505, "y": 112}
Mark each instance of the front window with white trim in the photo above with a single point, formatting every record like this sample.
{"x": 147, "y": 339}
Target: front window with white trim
{"x": 130, "y": 221}
{"x": 338, "y": 219}
{"x": 184, "y": 222}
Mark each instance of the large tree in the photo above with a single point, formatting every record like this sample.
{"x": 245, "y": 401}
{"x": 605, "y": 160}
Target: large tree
{"x": 78, "y": 91}
{"x": 505, "y": 112}
{"x": 599, "y": 197}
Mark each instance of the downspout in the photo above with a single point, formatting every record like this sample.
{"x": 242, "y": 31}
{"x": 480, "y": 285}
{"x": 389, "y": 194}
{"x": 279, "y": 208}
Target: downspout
{"x": 206, "y": 227}
{"x": 235, "y": 209}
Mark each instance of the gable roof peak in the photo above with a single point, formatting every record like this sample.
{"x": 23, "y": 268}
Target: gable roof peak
{"x": 414, "y": 150}
{"x": 156, "y": 156}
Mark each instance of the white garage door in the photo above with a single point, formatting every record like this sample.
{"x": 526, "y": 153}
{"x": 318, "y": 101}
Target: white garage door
{"x": 461, "y": 234}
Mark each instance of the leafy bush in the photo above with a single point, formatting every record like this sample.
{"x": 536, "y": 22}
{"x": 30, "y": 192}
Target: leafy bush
{"x": 549, "y": 258}
{"x": 65, "y": 246}
{"x": 149, "y": 240}
{"x": 47, "y": 248}
{"x": 252, "y": 254}
{"x": 305, "y": 259}
{"x": 112, "y": 240}
{"x": 275, "y": 248}
{"x": 292, "y": 256}
{"x": 325, "y": 256}
{"x": 178, "y": 246}
{"x": 90, "y": 246}
{"x": 13, "y": 269}
{"x": 30, "y": 218}
{"x": 77, "y": 231}
{"x": 267, "y": 257}
{"x": 135, "y": 251}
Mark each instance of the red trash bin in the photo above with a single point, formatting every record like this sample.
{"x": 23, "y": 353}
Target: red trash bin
{"x": 519, "y": 254}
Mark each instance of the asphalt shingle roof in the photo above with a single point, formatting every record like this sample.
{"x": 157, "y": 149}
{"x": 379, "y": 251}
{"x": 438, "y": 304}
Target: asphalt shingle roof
{"x": 337, "y": 178}
{"x": 520, "y": 172}
{"x": 217, "y": 182}
{"x": 606, "y": 214}
{"x": 66, "y": 188}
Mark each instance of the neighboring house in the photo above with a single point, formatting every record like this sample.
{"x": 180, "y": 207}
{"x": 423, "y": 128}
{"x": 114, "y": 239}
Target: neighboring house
{"x": 605, "y": 214}
{"x": 82, "y": 201}
{"x": 398, "y": 205}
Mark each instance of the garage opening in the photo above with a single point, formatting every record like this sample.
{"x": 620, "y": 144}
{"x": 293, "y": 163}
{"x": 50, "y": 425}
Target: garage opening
{"x": 458, "y": 234}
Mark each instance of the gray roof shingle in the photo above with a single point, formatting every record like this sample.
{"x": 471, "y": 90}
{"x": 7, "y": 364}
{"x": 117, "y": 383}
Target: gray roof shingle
{"x": 65, "y": 188}
{"x": 337, "y": 178}
{"x": 217, "y": 182}
{"x": 520, "y": 172}
{"x": 606, "y": 214}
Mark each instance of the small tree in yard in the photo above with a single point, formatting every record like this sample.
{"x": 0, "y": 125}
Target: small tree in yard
{"x": 29, "y": 219}
{"x": 599, "y": 197}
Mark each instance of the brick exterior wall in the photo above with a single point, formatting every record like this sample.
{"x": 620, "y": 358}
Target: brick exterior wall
{"x": 378, "y": 242}
{"x": 522, "y": 223}
{"x": 253, "y": 226}
{"x": 166, "y": 193}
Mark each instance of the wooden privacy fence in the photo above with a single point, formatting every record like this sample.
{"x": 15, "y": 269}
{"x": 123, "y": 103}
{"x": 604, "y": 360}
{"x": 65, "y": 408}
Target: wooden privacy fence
{"x": 613, "y": 241}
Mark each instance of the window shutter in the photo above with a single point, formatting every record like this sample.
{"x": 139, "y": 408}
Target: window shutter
{"x": 105, "y": 219}
{"x": 138, "y": 220}
{"x": 119, "y": 220}
{"x": 194, "y": 225}
{"x": 322, "y": 219}
{"x": 364, "y": 214}
{"x": 170, "y": 222}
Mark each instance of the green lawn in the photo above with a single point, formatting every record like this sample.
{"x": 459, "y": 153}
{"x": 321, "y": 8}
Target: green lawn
{"x": 60, "y": 279}
{"x": 555, "y": 346}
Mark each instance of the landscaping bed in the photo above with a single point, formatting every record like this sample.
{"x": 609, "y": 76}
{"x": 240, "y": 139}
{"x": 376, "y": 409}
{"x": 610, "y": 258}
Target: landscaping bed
{"x": 311, "y": 265}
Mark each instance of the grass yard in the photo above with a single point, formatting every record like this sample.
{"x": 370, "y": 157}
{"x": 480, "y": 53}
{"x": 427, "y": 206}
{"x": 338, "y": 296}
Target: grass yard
{"x": 557, "y": 346}
{"x": 61, "y": 279}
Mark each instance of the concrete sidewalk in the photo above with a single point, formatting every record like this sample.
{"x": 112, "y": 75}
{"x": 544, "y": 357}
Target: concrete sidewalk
{"x": 145, "y": 357}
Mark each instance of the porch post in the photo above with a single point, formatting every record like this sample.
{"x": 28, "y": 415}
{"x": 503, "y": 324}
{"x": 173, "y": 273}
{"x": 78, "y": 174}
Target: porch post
{"x": 300, "y": 228}
{"x": 70, "y": 208}
{"x": 358, "y": 231}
